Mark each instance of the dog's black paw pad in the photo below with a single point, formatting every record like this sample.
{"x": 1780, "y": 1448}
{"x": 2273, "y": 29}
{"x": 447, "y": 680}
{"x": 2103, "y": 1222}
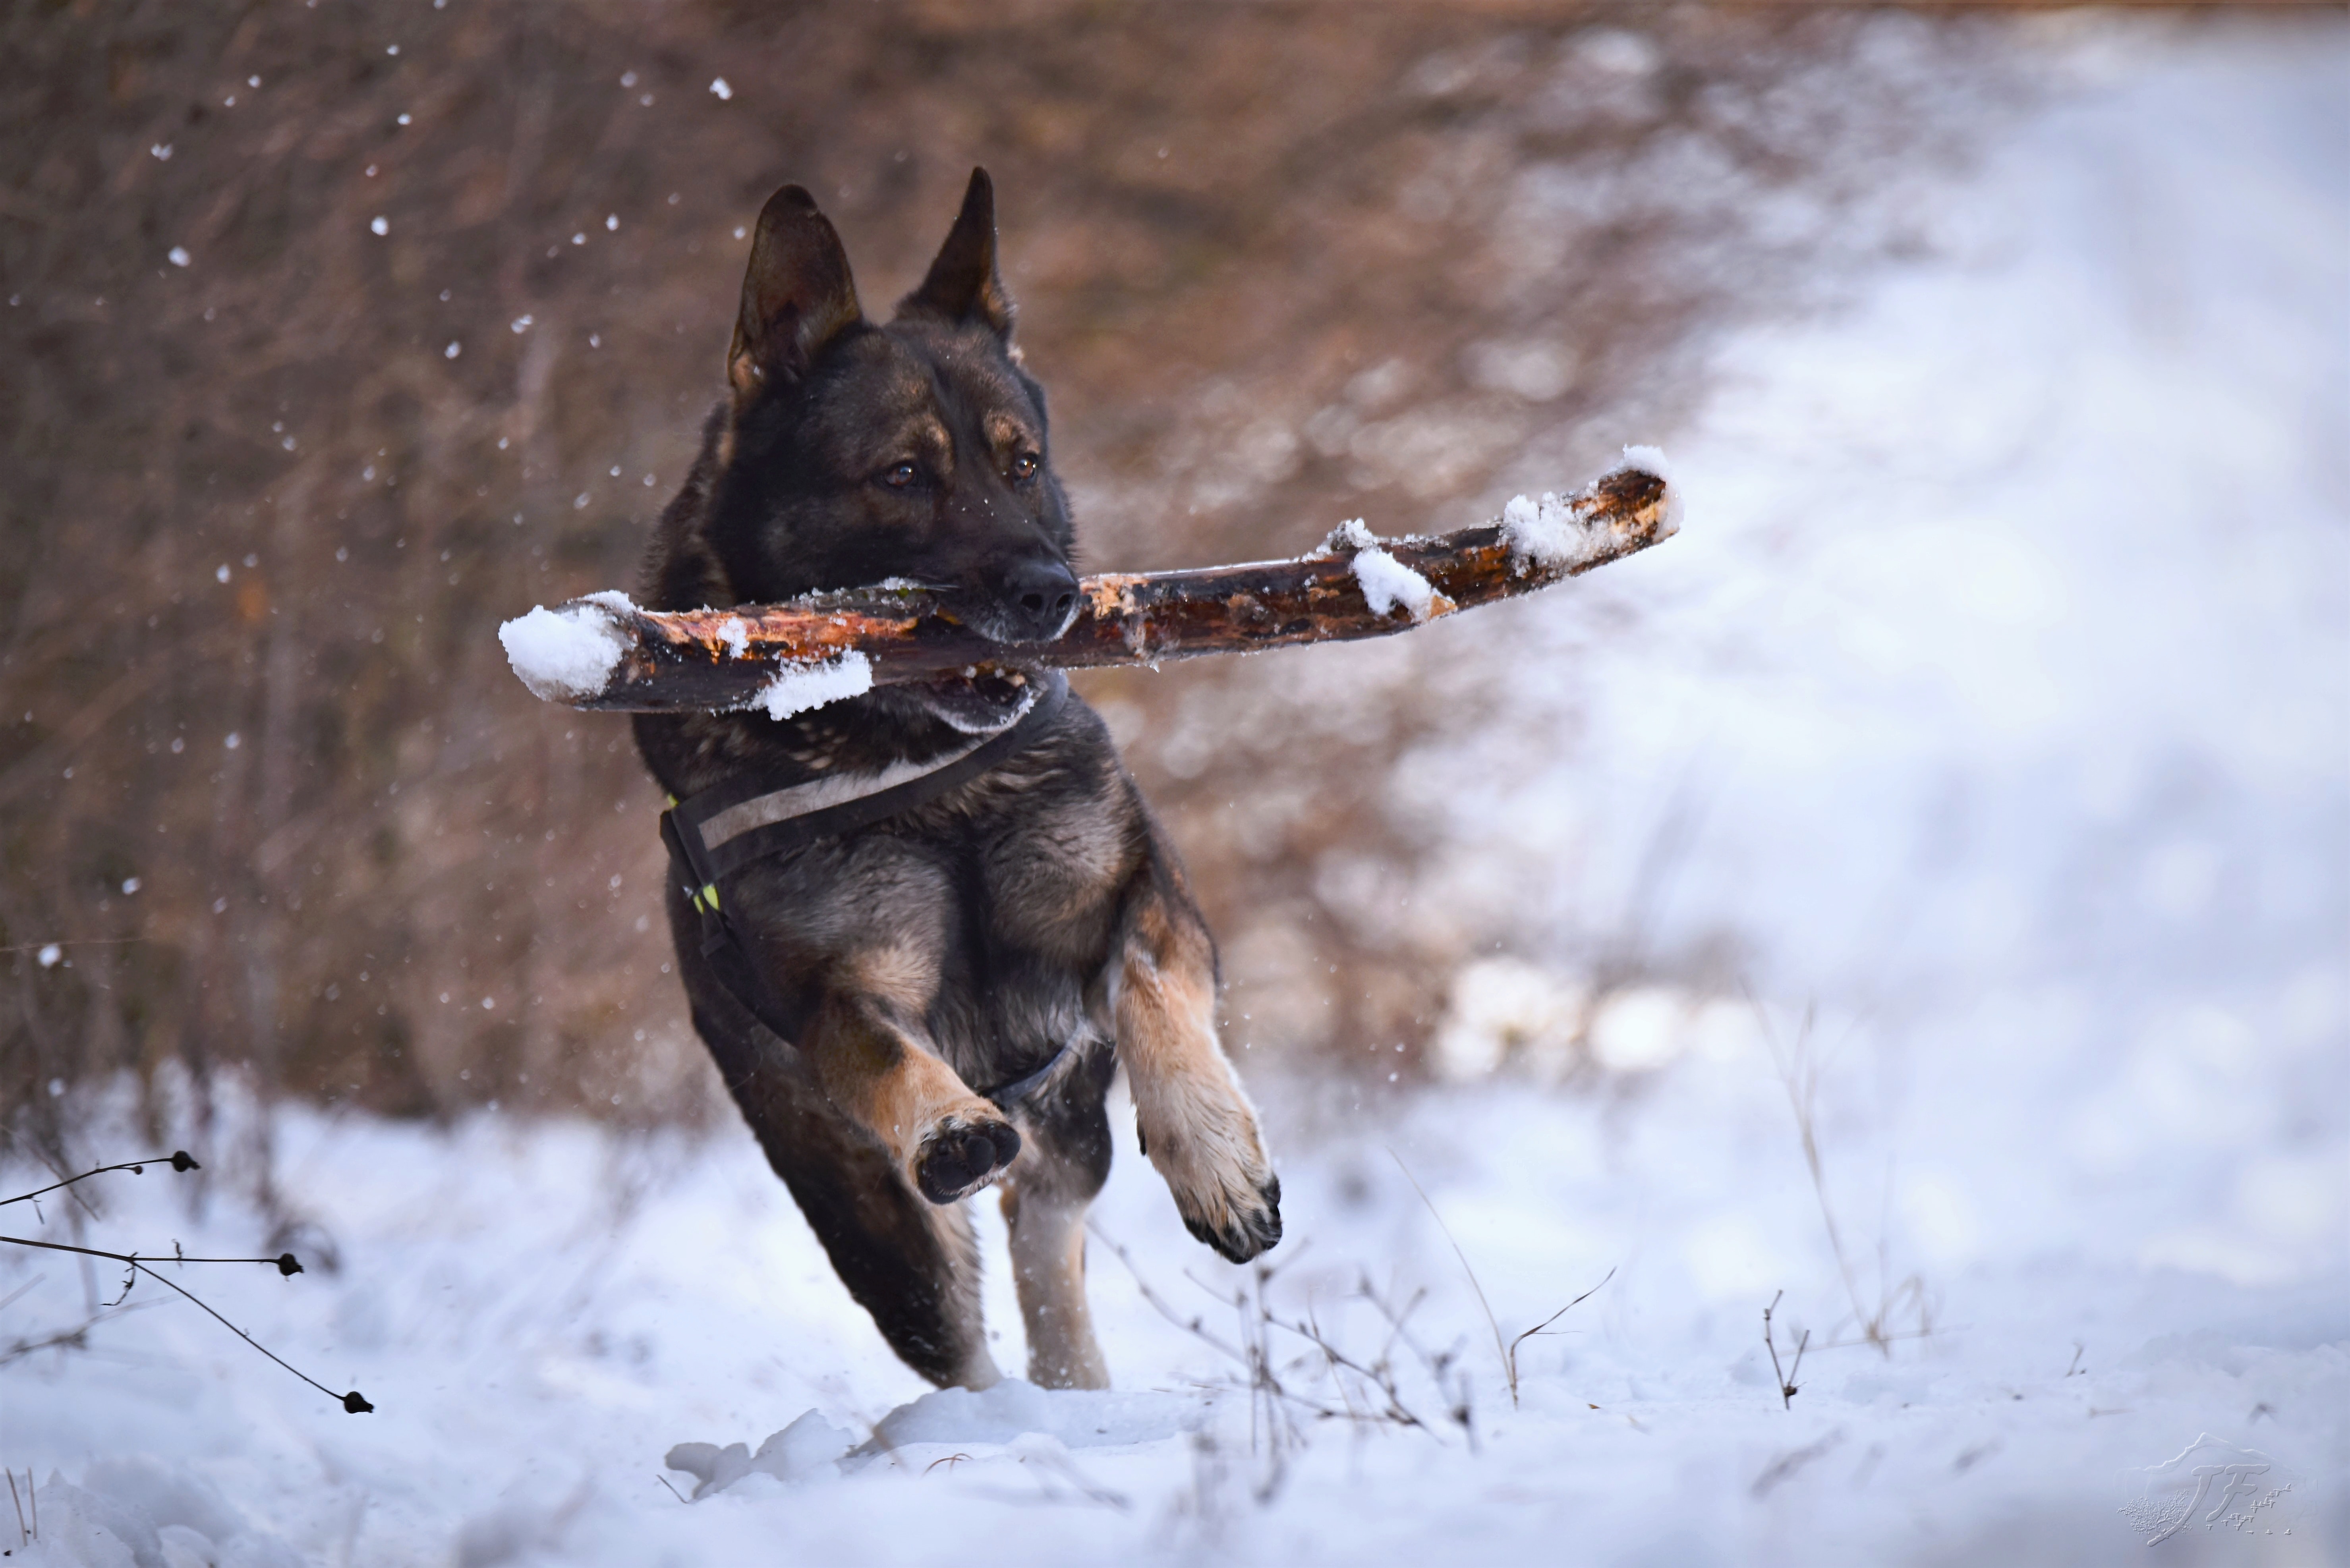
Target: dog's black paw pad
{"x": 959, "y": 1159}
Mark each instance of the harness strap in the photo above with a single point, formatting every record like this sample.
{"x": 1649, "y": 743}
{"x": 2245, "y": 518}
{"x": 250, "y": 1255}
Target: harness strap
{"x": 716, "y": 832}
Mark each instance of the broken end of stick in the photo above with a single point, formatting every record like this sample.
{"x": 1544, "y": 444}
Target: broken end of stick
{"x": 1627, "y": 509}
{"x": 1643, "y": 463}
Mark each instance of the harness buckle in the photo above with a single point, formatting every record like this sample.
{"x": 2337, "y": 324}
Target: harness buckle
{"x": 700, "y": 887}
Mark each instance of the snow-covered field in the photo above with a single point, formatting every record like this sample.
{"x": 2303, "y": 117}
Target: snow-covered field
{"x": 1995, "y": 698}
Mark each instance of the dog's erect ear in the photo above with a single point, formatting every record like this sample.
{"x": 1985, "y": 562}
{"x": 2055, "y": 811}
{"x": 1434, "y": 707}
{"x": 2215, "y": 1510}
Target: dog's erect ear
{"x": 796, "y": 297}
{"x": 962, "y": 285}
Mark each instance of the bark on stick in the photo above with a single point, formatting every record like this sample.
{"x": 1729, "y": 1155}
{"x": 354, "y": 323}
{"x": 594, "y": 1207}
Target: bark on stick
{"x": 604, "y": 653}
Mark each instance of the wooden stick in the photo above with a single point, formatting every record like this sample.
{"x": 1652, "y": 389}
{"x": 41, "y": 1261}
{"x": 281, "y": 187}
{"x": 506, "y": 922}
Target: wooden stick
{"x": 604, "y": 653}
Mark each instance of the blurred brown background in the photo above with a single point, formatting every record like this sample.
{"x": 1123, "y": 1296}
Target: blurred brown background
{"x": 334, "y": 335}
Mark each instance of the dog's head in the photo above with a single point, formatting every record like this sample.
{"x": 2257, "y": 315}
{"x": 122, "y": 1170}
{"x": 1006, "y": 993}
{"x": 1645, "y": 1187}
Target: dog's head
{"x": 858, "y": 452}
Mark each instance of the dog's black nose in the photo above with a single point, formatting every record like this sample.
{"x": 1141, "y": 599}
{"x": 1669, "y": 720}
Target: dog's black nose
{"x": 1039, "y": 595}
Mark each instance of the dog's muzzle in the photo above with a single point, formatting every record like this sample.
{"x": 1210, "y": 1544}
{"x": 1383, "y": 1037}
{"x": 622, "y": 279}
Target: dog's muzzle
{"x": 1035, "y": 602}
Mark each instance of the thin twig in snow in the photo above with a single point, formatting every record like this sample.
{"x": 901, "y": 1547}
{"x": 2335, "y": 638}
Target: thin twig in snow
{"x": 1543, "y": 1325}
{"x": 285, "y": 1264}
{"x": 1787, "y": 1388}
{"x": 74, "y": 1338}
{"x": 1500, "y": 1347}
{"x": 178, "y": 1159}
{"x": 1275, "y": 1401}
{"x": 1800, "y": 1070}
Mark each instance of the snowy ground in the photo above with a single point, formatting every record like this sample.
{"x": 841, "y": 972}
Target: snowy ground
{"x": 539, "y": 1316}
{"x": 2000, "y": 685}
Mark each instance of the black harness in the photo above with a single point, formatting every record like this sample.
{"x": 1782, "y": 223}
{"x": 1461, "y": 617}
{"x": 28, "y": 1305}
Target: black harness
{"x": 716, "y": 833}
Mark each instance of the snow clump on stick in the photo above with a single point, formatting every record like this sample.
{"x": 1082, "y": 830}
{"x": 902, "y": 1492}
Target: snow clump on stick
{"x": 797, "y": 688}
{"x": 566, "y": 655}
{"x": 1550, "y": 533}
{"x": 1386, "y": 581}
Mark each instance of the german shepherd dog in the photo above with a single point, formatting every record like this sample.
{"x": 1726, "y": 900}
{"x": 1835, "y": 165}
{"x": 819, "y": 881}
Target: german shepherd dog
{"x": 1033, "y": 914}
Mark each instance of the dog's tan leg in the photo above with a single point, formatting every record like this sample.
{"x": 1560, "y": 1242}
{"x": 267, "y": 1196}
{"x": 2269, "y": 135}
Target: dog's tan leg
{"x": 946, "y": 1141}
{"x": 975, "y": 1369}
{"x": 1196, "y": 1124}
{"x": 912, "y": 1263}
{"x": 1048, "y": 1264}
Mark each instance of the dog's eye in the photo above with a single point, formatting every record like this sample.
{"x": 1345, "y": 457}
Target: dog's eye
{"x": 1025, "y": 466}
{"x": 902, "y": 476}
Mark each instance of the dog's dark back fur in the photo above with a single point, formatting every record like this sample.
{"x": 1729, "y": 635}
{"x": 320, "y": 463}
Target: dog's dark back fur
{"x": 969, "y": 939}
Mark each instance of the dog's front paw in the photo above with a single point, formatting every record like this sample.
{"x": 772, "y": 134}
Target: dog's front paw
{"x": 964, "y": 1153}
{"x": 1248, "y": 1227}
{"x": 1223, "y": 1183}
